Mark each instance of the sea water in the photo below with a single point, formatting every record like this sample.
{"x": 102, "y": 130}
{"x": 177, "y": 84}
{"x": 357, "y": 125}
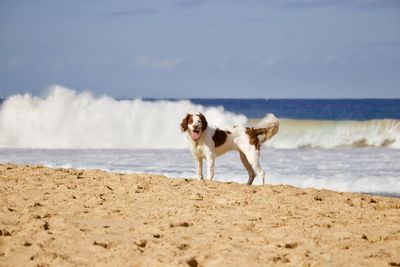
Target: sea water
{"x": 344, "y": 145}
{"x": 371, "y": 170}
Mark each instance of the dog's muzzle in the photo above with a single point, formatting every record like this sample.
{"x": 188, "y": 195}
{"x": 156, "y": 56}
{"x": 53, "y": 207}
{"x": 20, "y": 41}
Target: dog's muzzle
{"x": 195, "y": 134}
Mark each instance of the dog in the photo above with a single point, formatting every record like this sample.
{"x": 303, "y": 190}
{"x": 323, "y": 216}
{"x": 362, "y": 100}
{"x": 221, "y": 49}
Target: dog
{"x": 209, "y": 142}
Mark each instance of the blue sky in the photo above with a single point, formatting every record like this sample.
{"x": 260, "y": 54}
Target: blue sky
{"x": 201, "y": 48}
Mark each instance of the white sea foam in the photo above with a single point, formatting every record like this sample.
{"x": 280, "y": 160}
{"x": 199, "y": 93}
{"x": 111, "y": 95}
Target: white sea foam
{"x": 64, "y": 118}
{"x": 330, "y": 134}
{"x": 67, "y": 119}
{"x": 352, "y": 170}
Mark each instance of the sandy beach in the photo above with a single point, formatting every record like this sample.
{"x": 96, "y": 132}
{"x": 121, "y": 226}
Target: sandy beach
{"x": 69, "y": 217}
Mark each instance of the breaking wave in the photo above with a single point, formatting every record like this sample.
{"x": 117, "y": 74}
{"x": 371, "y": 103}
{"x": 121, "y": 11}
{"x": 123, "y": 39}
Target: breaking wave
{"x": 331, "y": 134}
{"x": 66, "y": 119}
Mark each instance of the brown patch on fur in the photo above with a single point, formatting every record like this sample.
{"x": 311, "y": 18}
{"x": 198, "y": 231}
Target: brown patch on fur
{"x": 260, "y": 131}
{"x": 204, "y": 122}
{"x": 268, "y": 132}
{"x": 219, "y": 137}
{"x": 252, "y": 133}
{"x": 186, "y": 121}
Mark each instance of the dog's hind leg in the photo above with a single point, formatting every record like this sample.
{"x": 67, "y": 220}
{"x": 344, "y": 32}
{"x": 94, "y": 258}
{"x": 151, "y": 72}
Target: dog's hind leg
{"x": 248, "y": 167}
{"x": 252, "y": 156}
{"x": 260, "y": 172}
{"x": 256, "y": 166}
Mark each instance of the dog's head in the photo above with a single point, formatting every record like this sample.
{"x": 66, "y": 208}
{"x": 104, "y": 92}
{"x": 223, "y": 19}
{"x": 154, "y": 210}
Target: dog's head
{"x": 195, "y": 124}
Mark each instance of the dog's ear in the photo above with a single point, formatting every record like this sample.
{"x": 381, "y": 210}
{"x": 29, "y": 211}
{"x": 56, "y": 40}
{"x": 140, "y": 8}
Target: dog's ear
{"x": 185, "y": 122}
{"x": 204, "y": 122}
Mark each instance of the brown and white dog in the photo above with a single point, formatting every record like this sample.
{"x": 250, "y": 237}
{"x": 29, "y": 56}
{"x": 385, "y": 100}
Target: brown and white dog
{"x": 209, "y": 142}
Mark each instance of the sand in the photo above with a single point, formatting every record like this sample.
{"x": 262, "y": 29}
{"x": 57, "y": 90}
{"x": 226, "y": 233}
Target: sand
{"x": 69, "y": 217}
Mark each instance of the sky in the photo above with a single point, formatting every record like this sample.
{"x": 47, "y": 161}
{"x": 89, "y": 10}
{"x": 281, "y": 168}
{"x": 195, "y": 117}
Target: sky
{"x": 202, "y": 48}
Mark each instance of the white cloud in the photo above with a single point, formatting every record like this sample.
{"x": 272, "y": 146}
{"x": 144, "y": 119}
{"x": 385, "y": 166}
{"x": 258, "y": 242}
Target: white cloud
{"x": 272, "y": 61}
{"x": 154, "y": 63}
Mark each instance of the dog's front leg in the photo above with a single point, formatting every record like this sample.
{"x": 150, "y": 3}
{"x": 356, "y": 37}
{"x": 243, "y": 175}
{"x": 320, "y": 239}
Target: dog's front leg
{"x": 210, "y": 166}
{"x": 199, "y": 161}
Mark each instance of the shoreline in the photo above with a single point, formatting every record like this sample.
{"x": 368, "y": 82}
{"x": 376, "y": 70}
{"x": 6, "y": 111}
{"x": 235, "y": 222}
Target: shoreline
{"x": 171, "y": 176}
{"x": 380, "y": 194}
{"x": 56, "y": 216}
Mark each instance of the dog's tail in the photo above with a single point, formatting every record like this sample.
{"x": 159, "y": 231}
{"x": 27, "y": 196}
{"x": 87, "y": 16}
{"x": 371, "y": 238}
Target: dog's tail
{"x": 266, "y": 128}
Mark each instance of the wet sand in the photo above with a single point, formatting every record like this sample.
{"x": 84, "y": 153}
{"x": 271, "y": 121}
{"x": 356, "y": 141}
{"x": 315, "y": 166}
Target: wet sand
{"x": 69, "y": 217}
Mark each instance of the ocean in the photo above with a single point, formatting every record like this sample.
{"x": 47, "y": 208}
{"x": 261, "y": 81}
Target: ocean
{"x": 350, "y": 145}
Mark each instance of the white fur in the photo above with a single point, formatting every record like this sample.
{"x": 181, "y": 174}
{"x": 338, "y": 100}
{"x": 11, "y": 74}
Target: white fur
{"x": 238, "y": 140}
